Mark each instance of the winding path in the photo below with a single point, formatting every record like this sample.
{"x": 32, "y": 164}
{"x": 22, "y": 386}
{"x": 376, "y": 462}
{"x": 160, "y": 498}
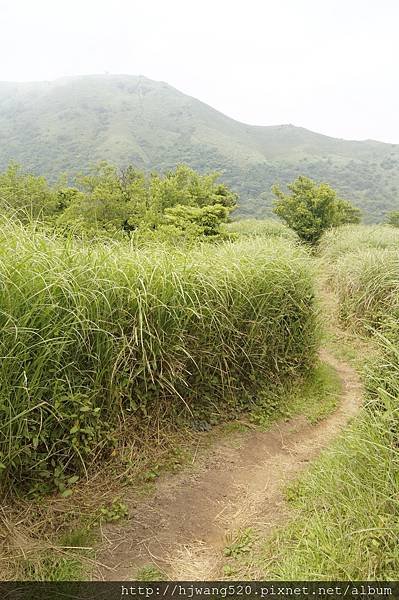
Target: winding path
{"x": 182, "y": 529}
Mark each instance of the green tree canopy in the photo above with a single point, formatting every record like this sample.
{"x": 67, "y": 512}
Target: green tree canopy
{"x": 312, "y": 208}
{"x": 200, "y": 220}
{"x": 128, "y": 199}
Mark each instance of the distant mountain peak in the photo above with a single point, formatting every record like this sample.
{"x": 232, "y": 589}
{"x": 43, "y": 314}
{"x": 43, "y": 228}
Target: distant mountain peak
{"x": 65, "y": 125}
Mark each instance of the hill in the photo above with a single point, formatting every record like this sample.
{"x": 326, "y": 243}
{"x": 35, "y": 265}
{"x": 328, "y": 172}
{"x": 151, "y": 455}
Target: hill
{"x": 67, "y": 124}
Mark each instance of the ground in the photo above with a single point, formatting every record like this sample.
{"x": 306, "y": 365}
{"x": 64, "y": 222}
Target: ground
{"x": 198, "y": 518}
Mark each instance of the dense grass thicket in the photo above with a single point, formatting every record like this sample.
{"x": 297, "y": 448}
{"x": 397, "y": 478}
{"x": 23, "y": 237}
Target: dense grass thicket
{"x": 348, "y": 521}
{"x": 353, "y": 238}
{"x": 367, "y": 284}
{"x": 96, "y": 336}
{"x": 362, "y": 263}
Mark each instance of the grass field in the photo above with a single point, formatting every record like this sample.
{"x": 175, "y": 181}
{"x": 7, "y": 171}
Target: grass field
{"x": 102, "y": 340}
{"x": 262, "y": 228}
{"x": 346, "y": 507}
{"x": 96, "y": 338}
{"x": 353, "y": 238}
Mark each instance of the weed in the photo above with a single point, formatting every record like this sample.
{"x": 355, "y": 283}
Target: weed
{"x": 240, "y": 545}
{"x": 149, "y": 573}
{"x": 114, "y": 512}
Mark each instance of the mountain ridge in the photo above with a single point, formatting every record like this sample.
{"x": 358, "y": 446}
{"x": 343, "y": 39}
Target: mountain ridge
{"x": 67, "y": 124}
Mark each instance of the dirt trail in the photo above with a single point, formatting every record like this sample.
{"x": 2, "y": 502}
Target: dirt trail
{"x": 182, "y": 529}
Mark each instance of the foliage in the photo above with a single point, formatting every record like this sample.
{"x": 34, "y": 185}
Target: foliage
{"x": 129, "y": 200}
{"x": 346, "y": 213}
{"x": 200, "y": 221}
{"x": 311, "y": 209}
{"x": 116, "y": 511}
{"x": 25, "y": 196}
{"x": 108, "y": 201}
{"x": 64, "y": 126}
{"x": 393, "y": 218}
{"x": 98, "y": 334}
{"x": 240, "y": 545}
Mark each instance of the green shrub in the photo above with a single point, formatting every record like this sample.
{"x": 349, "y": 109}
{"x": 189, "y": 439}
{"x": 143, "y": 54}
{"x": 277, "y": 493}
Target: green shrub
{"x": 25, "y": 196}
{"x": 310, "y": 208}
{"x": 199, "y": 222}
{"x": 126, "y": 200}
{"x": 95, "y": 335}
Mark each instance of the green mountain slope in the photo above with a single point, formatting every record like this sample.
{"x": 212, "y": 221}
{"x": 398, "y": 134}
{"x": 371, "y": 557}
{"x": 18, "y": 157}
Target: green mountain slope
{"x": 67, "y": 124}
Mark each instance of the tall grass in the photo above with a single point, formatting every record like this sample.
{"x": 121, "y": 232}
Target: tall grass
{"x": 367, "y": 284}
{"x": 98, "y": 335}
{"x": 347, "y": 521}
{"x": 347, "y": 525}
{"x": 263, "y": 228}
{"x": 353, "y": 238}
{"x": 362, "y": 267}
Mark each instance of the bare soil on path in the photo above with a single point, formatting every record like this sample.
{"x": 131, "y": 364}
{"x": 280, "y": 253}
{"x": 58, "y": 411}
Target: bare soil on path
{"x": 184, "y": 526}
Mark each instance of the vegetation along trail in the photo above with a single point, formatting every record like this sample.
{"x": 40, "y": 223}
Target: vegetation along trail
{"x": 184, "y": 528}
{"x": 169, "y": 359}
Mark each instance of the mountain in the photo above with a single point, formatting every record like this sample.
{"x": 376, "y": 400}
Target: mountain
{"x": 68, "y": 124}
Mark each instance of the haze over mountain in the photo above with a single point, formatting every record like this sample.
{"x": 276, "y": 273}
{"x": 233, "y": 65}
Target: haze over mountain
{"x": 68, "y": 124}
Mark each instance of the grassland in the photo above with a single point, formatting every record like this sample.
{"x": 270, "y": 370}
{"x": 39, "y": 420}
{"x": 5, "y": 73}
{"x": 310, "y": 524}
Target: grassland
{"x": 101, "y": 341}
{"x": 99, "y": 338}
{"x": 362, "y": 264}
{"x": 250, "y": 228}
{"x": 346, "y": 507}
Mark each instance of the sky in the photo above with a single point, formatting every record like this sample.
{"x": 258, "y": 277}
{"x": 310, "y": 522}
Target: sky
{"x": 328, "y": 65}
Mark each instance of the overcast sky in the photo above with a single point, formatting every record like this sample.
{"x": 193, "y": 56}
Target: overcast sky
{"x": 328, "y": 65}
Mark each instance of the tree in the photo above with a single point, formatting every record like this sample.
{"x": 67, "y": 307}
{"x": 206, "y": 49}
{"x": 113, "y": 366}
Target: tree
{"x": 184, "y": 186}
{"x": 25, "y": 195}
{"x": 310, "y": 208}
{"x": 126, "y": 200}
{"x": 198, "y": 220}
{"x": 347, "y": 213}
{"x": 393, "y": 218}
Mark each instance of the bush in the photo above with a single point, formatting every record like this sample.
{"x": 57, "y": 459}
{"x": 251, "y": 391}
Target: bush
{"x": 310, "y": 209}
{"x": 127, "y": 200}
{"x": 198, "y": 221}
{"x": 24, "y": 195}
{"x": 393, "y": 218}
{"x": 96, "y": 335}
